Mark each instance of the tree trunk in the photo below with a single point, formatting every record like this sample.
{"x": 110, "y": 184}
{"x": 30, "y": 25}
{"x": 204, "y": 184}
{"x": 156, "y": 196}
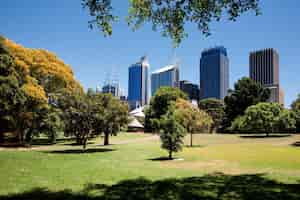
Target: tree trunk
{"x": 267, "y": 134}
{"x": 106, "y": 139}
{"x": 84, "y": 143}
{"x": 170, "y": 155}
{"x": 191, "y": 140}
{"x": 1, "y": 137}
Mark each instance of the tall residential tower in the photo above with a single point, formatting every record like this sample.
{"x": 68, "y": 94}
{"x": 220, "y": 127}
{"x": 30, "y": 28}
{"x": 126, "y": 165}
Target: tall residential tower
{"x": 264, "y": 69}
{"x": 214, "y": 73}
{"x": 138, "y": 84}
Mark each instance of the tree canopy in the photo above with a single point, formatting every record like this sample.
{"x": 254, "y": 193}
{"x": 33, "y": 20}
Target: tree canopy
{"x": 215, "y": 108}
{"x": 192, "y": 118}
{"x": 264, "y": 118}
{"x": 296, "y": 109}
{"x": 169, "y": 16}
{"x": 246, "y": 92}
{"x": 171, "y": 132}
{"x": 159, "y": 105}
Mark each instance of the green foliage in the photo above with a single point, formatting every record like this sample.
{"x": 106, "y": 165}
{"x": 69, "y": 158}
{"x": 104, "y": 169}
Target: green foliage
{"x": 246, "y": 93}
{"x": 114, "y": 116}
{"x": 170, "y": 16}
{"x": 264, "y": 118}
{"x": 159, "y": 105}
{"x": 12, "y": 97}
{"x": 191, "y": 118}
{"x": 296, "y": 109}
{"x": 215, "y": 108}
{"x": 172, "y": 132}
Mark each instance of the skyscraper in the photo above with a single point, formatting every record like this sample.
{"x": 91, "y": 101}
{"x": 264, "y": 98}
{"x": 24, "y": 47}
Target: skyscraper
{"x": 214, "y": 73}
{"x": 192, "y": 90}
{"x": 138, "y": 84}
{"x": 166, "y": 76}
{"x": 264, "y": 69}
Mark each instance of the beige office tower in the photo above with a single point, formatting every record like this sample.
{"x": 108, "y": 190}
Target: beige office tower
{"x": 264, "y": 68}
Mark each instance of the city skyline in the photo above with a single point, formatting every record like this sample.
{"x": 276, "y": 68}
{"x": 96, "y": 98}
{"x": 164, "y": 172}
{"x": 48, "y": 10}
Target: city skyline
{"x": 90, "y": 54}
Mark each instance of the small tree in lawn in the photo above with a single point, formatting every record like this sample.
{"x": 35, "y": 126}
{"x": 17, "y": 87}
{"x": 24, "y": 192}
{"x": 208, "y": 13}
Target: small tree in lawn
{"x": 172, "y": 133}
{"x": 264, "y": 118}
{"x": 192, "y": 118}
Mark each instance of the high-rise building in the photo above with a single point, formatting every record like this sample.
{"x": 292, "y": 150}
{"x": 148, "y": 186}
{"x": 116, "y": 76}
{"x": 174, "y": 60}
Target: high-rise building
{"x": 113, "y": 89}
{"x": 192, "y": 90}
{"x": 264, "y": 69}
{"x": 214, "y": 73}
{"x": 138, "y": 84}
{"x": 166, "y": 76}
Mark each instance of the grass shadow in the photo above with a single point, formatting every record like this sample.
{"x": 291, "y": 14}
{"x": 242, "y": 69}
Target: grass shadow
{"x": 256, "y": 136}
{"x": 194, "y": 146}
{"x": 210, "y": 187}
{"x": 76, "y": 144}
{"x": 164, "y": 159}
{"x": 296, "y": 144}
{"x": 80, "y": 151}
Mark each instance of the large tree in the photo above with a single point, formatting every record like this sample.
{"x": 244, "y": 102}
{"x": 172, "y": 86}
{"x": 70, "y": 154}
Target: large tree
{"x": 264, "y": 118}
{"x": 246, "y": 93}
{"x": 215, "y": 108}
{"x": 192, "y": 118}
{"x": 12, "y": 97}
{"x": 169, "y": 16}
{"x": 115, "y": 116}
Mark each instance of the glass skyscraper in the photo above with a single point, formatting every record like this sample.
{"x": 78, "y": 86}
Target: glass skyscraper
{"x": 167, "y": 76}
{"x": 214, "y": 73}
{"x": 138, "y": 84}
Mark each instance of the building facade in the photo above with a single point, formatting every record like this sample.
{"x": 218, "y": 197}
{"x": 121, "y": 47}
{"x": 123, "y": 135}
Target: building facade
{"x": 192, "y": 90}
{"x": 264, "y": 69}
{"x": 113, "y": 89}
{"x": 214, "y": 73}
{"x": 166, "y": 76}
{"x": 138, "y": 84}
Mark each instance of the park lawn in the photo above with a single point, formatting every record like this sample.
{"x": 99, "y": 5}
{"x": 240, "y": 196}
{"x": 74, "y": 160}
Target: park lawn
{"x": 64, "y": 166}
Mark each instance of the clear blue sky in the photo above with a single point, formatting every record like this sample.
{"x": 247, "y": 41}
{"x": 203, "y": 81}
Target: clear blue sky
{"x": 61, "y": 26}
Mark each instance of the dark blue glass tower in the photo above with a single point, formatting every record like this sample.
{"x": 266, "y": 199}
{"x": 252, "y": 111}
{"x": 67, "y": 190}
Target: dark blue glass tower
{"x": 138, "y": 84}
{"x": 214, "y": 73}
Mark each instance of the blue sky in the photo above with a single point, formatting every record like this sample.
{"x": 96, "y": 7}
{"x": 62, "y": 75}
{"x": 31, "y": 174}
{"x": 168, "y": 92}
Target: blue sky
{"x": 61, "y": 26}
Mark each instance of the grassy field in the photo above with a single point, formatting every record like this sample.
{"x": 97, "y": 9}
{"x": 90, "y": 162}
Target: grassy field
{"x": 218, "y": 167}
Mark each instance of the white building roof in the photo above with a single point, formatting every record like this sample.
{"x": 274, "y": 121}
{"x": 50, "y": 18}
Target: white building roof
{"x": 135, "y": 123}
{"x": 164, "y": 69}
{"x": 138, "y": 112}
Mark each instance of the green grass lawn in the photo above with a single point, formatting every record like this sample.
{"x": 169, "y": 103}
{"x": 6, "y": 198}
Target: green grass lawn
{"x": 270, "y": 165}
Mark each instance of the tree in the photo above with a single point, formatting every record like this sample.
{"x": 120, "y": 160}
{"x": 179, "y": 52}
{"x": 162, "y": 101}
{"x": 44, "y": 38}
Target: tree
{"x": 170, "y": 16}
{"x": 191, "y": 118}
{"x": 12, "y": 97}
{"x": 215, "y": 108}
{"x": 264, "y": 118}
{"x": 172, "y": 132}
{"x": 159, "y": 105}
{"x": 246, "y": 93}
{"x": 296, "y": 109}
{"x": 115, "y": 116}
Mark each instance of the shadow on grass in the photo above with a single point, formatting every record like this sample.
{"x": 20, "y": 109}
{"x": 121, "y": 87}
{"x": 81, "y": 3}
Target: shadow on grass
{"x": 265, "y": 136}
{"x": 296, "y": 144}
{"x": 76, "y": 144}
{"x": 161, "y": 159}
{"x": 211, "y": 187}
{"x": 79, "y": 151}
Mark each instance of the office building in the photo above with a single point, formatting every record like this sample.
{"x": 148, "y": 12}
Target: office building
{"x": 112, "y": 88}
{"x": 214, "y": 73}
{"x": 192, "y": 90}
{"x": 264, "y": 69}
{"x": 166, "y": 76}
{"x": 138, "y": 84}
